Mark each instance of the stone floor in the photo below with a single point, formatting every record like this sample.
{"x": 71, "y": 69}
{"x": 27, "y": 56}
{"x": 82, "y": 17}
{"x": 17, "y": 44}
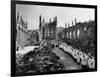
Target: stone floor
{"x": 67, "y": 60}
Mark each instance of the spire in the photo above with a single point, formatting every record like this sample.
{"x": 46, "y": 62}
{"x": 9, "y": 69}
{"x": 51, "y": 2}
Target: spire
{"x": 40, "y": 18}
{"x": 68, "y": 25}
{"x": 43, "y": 20}
{"x": 50, "y": 19}
{"x": 40, "y": 22}
{"x": 65, "y": 25}
{"x": 18, "y": 16}
{"x": 21, "y": 19}
{"x": 55, "y": 18}
{"x": 72, "y": 23}
{"x": 75, "y": 21}
{"x": 26, "y": 24}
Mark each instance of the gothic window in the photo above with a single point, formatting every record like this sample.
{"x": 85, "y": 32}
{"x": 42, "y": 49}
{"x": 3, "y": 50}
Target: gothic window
{"x": 85, "y": 28}
{"x": 70, "y": 34}
{"x": 74, "y": 34}
{"x": 67, "y": 34}
{"x": 78, "y": 33}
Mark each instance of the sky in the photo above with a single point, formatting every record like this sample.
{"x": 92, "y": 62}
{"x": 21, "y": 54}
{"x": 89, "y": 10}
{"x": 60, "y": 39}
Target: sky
{"x": 31, "y": 13}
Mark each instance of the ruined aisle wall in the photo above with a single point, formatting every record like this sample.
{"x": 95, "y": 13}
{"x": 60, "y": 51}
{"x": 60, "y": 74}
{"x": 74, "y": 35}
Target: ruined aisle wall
{"x": 21, "y": 36}
{"x": 80, "y": 31}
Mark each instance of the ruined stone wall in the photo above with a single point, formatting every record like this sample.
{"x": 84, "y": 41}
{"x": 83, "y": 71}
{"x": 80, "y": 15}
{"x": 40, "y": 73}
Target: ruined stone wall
{"x": 21, "y": 36}
{"x": 21, "y": 32}
{"x": 47, "y": 29}
{"x": 80, "y": 31}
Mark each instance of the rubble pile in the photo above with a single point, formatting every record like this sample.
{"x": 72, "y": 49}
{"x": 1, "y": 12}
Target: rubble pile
{"x": 37, "y": 61}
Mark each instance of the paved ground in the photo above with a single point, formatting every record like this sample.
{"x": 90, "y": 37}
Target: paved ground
{"x": 67, "y": 60}
{"x": 26, "y": 50}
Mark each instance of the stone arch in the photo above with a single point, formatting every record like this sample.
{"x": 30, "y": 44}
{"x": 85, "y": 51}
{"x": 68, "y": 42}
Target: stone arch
{"x": 74, "y": 36}
{"x": 35, "y": 35}
{"x": 78, "y": 33}
{"x": 70, "y": 35}
{"x": 85, "y": 28}
{"x": 81, "y": 32}
{"x": 85, "y": 31}
{"x": 67, "y": 34}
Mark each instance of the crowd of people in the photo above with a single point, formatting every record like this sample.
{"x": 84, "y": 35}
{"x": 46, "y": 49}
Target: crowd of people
{"x": 82, "y": 58}
{"x": 85, "y": 57}
{"x": 44, "y": 60}
{"x": 87, "y": 46}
